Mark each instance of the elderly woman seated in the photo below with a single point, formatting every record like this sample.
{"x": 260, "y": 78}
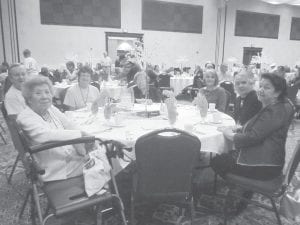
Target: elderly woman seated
{"x": 260, "y": 143}
{"x": 212, "y": 92}
{"x": 82, "y": 94}
{"x": 42, "y": 122}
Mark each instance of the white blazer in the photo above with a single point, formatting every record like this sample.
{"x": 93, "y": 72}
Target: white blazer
{"x": 39, "y": 131}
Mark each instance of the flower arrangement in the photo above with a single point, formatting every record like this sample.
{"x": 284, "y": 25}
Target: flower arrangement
{"x": 171, "y": 106}
{"x": 202, "y": 104}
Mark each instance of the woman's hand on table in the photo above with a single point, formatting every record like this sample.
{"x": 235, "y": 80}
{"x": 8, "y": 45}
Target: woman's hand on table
{"x": 228, "y": 132}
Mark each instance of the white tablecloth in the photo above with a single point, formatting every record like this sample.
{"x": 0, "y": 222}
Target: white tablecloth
{"x": 59, "y": 87}
{"x": 179, "y": 83}
{"x": 132, "y": 126}
{"x": 113, "y": 89}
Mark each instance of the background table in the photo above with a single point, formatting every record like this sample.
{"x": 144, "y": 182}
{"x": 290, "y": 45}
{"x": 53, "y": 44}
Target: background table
{"x": 179, "y": 83}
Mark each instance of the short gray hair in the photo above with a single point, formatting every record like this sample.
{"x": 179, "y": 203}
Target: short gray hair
{"x": 15, "y": 65}
{"x": 247, "y": 73}
{"x": 30, "y": 84}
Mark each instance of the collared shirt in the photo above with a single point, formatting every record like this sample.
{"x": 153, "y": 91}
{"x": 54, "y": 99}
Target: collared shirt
{"x": 14, "y": 101}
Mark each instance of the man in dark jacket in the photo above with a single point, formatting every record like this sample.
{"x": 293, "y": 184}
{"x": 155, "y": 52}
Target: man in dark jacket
{"x": 246, "y": 104}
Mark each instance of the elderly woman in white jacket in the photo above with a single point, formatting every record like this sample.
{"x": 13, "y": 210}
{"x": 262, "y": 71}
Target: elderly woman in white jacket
{"x": 42, "y": 123}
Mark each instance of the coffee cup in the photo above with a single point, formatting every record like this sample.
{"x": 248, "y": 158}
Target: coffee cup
{"x": 212, "y": 107}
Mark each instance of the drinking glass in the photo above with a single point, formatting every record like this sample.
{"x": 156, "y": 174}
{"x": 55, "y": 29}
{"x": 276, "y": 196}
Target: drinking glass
{"x": 203, "y": 114}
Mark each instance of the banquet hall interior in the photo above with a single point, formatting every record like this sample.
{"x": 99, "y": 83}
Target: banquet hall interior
{"x": 147, "y": 81}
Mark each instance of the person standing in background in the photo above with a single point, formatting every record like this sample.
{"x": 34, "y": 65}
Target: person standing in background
{"x": 30, "y": 63}
{"x": 106, "y": 64}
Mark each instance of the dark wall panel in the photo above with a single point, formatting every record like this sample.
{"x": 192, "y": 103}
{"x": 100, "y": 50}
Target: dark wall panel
{"x": 94, "y": 13}
{"x": 169, "y": 16}
{"x": 295, "y": 29}
{"x": 252, "y": 24}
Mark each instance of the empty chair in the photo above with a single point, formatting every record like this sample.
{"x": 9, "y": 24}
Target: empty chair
{"x": 164, "y": 164}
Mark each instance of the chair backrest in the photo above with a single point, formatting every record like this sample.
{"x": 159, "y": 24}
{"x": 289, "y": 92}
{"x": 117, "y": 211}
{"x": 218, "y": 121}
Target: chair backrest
{"x": 3, "y": 110}
{"x": 7, "y": 85}
{"x": 164, "y": 80}
{"x": 228, "y": 86}
{"x": 165, "y": 162}
{"x": 228, "y": 100}
{"x": 96, "y": 84}
{"x": 293, "y": 164}
{"x": 16, "y": 139}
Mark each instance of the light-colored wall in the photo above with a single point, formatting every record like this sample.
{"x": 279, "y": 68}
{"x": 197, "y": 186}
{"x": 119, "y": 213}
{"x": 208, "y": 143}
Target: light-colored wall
{"x": 52, "y": 44}
{"x": 282, "y": 51}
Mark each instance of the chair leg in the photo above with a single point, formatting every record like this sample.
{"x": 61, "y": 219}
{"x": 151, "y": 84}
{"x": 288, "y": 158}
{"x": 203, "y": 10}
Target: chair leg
{"x": 122, "y": 214}
{"x": 3, "y": 139}
{"x": 215, "y": 182}
{"x": 32, "y": 209}
{"x": 47, "y": 210}
{"x": 13, "y": 169}
{"x": 132, "y": 216}
{"x": 276, "y": 211}
{"x": 226, "y": 205}
{"x": 2, "y": 128}
{"x": 98, "y": 216}
{"x": 37, "y": 203}
{"x": 24, "y": 203}
{"x": 192, "y": 211}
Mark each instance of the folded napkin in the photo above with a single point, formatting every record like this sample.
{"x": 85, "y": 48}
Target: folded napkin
{"x": 171, "y": 106}
{"x": 201, "y": 103}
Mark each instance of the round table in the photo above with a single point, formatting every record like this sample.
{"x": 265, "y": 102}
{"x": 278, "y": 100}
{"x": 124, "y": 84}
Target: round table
{"x": 131, "y": 126}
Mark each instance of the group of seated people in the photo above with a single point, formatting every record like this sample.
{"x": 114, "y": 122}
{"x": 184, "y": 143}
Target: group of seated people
{"x": 262, "y": 119}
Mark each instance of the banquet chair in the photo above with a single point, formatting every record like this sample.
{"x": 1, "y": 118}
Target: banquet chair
{"x": 164, "y": 168}
{"x": 271, "y": 189}
{"x": 96, "y": 84}
{"x": 164, "y": 82}
{"x": 9, "y": 119}
{"x": 68, "y": 196}
{"x": 228, "y": 86}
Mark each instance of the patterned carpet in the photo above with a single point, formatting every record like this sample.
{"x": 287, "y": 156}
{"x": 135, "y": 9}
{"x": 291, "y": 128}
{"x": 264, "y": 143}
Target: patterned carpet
{"x": 11, "y": 198}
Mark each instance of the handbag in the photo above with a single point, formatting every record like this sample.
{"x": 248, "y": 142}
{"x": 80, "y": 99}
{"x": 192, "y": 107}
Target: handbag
{"x": 96, "y": 173}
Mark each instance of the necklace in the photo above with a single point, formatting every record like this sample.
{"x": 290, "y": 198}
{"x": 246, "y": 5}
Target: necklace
{"x": 84, "y": 99}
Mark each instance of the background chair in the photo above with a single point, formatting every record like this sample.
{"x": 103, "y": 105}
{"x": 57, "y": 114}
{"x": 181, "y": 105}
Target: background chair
{"x": 271, "y": 188}
{"x": 164, "y": 82}
{"x": 65, "y": 196}
{"x": 164, "y": 166}
{"x": 9, "y": 120}
{"x": 229, "y": 87}
{"x": 96, "y": 84}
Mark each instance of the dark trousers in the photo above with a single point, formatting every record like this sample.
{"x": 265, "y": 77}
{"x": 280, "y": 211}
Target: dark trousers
{"x": 226, "y": 163}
